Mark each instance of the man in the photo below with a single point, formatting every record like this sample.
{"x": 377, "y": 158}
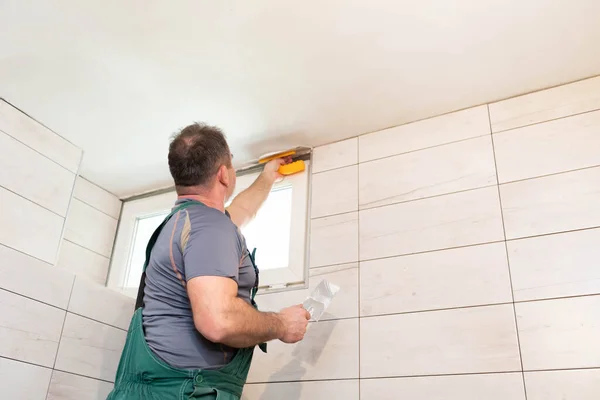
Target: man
{"x": 195, "y": 334}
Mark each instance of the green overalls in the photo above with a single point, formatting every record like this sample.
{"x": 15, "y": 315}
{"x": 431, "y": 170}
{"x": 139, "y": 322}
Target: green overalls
{"x": 143, "y": 376}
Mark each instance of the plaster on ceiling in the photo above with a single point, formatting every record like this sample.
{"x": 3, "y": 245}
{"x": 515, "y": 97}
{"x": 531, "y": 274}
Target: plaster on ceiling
{"x": 118, "y": 78}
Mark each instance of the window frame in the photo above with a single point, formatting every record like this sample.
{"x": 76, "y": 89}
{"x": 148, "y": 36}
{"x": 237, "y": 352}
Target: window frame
{"x": 295, "y": 275}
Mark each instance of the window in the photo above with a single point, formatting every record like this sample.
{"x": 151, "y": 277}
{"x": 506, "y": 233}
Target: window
{"x": 279, "y": 233}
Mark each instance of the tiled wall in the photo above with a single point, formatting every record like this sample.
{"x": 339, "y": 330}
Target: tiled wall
{"x": 61, "y": 333}
{"x": 467, "y": 247}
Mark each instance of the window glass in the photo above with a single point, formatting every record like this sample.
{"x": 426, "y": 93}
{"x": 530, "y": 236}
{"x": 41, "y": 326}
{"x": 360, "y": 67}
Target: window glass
{"x": 144, "y": 228}
{"x": 269, "y": 232}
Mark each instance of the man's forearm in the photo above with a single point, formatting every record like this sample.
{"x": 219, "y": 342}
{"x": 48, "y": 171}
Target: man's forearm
{"x": 244, "y": 326}
{"x": 246, "y": 204}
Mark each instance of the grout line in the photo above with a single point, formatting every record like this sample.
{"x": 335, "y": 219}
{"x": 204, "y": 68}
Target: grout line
{"x": 553, "y": 233}
{"x": 83, "y": 247}
{"x": 358, "y": 252}
{"x": 34, "y": 299}
{"x": 335, "y": 215}
{"x": 512, "y": 291}
{"x": 428, "y": 197}
{"x": 425, "y": 376}
{"x": 95, "y": 320}
{"x": 551, "y": 174}
{"x": 25, "y": 362}
{"x": 26, "y": 254}
{"x": 437, "y": 309}
{"x": 510, "y": 130}
{"x": 63, "y": 327}
{"x": 64, "y": 217}
{"x": 38, "y": 152}
{"x": 94, "y": 207}
{"x": 100, "y": 187}
{"x": 84, "y": 376}
{"x": 337, "y": 168}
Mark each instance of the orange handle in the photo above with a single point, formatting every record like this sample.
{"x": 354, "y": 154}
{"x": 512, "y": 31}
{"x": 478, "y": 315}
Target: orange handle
{"x": 292, "y": 168}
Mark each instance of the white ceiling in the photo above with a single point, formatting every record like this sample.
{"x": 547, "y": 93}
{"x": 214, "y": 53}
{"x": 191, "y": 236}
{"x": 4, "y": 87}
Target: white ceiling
{"x": 117, "y": 78}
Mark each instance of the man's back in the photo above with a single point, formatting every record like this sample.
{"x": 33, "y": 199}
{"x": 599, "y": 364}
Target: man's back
{"x": 198, "y": 241}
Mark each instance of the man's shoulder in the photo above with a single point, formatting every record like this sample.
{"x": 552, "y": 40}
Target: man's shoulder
{"x": 208, "y": 221}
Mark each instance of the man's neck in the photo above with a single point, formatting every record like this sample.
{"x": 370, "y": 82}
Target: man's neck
{"x": 209, "y": 201}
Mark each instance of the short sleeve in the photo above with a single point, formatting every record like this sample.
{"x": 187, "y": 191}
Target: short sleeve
{"x": 213, "y": 249}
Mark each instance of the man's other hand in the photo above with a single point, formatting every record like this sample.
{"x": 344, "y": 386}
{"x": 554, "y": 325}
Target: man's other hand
{"x": 295, "y": 321}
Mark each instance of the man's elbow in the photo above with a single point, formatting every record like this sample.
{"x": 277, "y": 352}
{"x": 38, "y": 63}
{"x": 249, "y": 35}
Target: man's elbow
{"x": 217, "y": 330}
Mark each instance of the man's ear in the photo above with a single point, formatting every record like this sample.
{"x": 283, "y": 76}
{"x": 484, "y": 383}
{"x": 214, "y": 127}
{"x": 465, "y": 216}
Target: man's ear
{"x": 223, "y": 176}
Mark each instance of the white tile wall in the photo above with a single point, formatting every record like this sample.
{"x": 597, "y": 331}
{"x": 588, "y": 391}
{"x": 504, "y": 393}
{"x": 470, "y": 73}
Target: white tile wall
{"x": 82, "y": 217}
{"x": 327, "y": 390}
{"x": 33, "y": 176}
{"x": 459, "y": 387}
{"x": 552, "y": 204}
{"x": 38, "y": 137}
{"x": 444, "y": 129}
{"x": 561, "y": 333}
{"x": 64, "y": 386}
{"x": 22, "y": 381}
{"x": 97, "y": 197}
{"x": 334, "y": 240}
{"x": 467, "y": 340}
{"x": 28, "y": 227}
{"x": 475, "y": 275}
{"x": 346, "y": 301}
{"x": 100, "y": 303}
{"x": 546, "y": 105}
{"x": 90, "y": 348}
{"x": 335, "y": 155}
{"x": 557, "y": 146}
{"x": 29, "y": 330}
{"x": 559, "y": 265}
{"x": 30, "y": 277}
{"x": 445, "y": 169}
{"x": 328, "y": 351}
{"x": 437, "y": 315}
{"x": 335, "y": 192}
{"x": 452, "y": 220}
{"x": 581, "y": 384}
{"x": 83, "y": 262}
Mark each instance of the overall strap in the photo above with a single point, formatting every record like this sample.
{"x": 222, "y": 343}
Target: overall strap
{"x": 139, "y": 302}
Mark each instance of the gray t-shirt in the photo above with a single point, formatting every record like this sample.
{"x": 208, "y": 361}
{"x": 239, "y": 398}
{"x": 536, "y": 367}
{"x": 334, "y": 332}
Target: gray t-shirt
{"x": 197, "y": 241}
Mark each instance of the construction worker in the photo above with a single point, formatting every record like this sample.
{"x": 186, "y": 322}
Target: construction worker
{"x": 196, "y": 324}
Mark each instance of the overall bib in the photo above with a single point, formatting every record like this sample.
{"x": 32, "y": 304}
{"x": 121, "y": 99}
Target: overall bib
{"x": 143, "y": 376}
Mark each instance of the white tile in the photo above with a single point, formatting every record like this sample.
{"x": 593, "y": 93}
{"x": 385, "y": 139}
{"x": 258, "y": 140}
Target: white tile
{"x": 558, "y": 265}
{"x": 556, "y": 146}
{"x": 329, "y": 351}
{"x": 452, "y": 220}
{"x": 460, "y": 277}
{"x": 90, "y": 348}
{"x": 34, "y": 176}
{"x": 334, "y": 240}
{"x": 28, "y": 227}
{"x": 563, "y": 333}
{"x": 64, "y": 386}
{"x": 319, "y": 390}
{"x": 430, "y": 132}
{"x": 21, "y": 381}
{"x": 335, "y": 155}
{"x": 545, "y": 105}
{"x": 34, "y": 278}
{"x": 38, "y": 137}
{"x": 582, "y": 384}
{"x": 82, "y": 218}
{"x": 552, "y": 204}
{"x": 345, "y": 303}
{"x": 479, "y": 339}
{"x": 83, "y": 262}
{"x": 98, "y": 302}
{"x": 97, "y": 197}
{"x": 458, "y": 387}
{"x": 29, "y": 330}
{"x": 438, "y": 170}
{"x": 334, "y": 192}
